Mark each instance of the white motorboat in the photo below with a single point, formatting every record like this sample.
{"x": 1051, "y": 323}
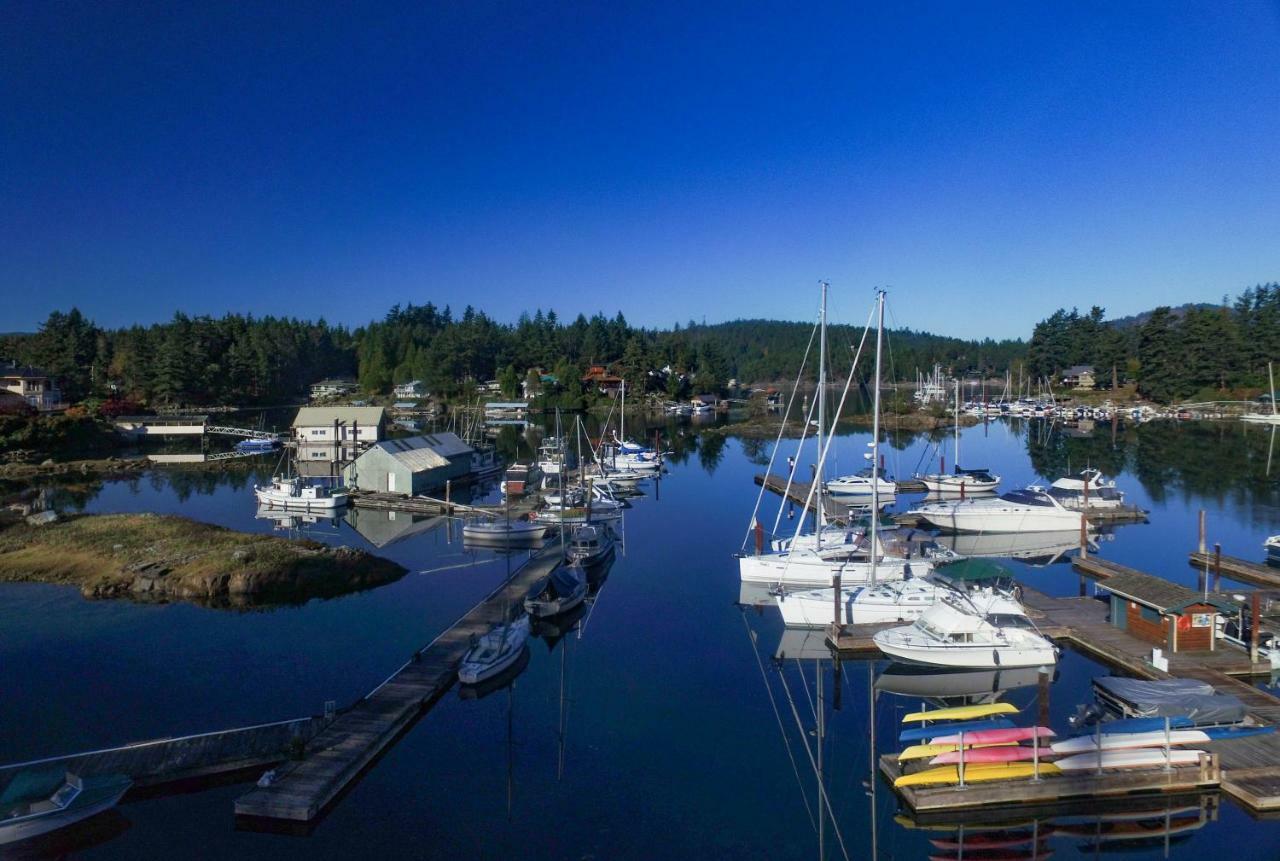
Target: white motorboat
{"x": 590, "y": 544}
{"x": 558, "y": 592}
{"x": 952, "y": 634}
{"x": 1027, "y": 510}
{"x": 1070, "y": 491}
{"x": 864, "y": 483}
{"x": 894, "y": 601}
{"x": 1272, "y": 546}
{"x": 298, "y": 493}
{"x": 494, "y": 652}
{"x": 962, "y": 480}
{"x": 37, "y": 802}
{"x": 502, "y": 530}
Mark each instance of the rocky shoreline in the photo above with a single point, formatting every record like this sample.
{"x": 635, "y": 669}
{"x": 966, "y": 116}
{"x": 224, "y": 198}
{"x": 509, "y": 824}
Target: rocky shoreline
{"x": 148, "y": 557}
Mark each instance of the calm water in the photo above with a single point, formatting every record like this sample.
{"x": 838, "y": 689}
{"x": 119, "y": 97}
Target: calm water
{"x": 674, "y": 722}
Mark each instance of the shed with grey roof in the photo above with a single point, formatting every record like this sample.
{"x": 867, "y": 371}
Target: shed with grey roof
{"x": 410, "y": 465}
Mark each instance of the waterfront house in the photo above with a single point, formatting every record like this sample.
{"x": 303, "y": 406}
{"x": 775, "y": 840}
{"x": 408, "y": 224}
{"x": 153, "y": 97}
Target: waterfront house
{"x": 599, "y": 377}
{"x": 411, "y": 390}
{"x": 337, "y": 434}
{"x": 1079, "y": 377}
{"x": 1163, "y": 613}
{"x": 335, "y": 388}
{"x": 410, "y": 465}
{"x": 33, "y": 385}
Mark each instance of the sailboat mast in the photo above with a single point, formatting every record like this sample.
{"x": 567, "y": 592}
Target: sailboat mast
{"x": 822, "y": 413}
{"x": 875, "y": 441}
{"x": 955, "y": 464}
{"x": 1271, "y": 386}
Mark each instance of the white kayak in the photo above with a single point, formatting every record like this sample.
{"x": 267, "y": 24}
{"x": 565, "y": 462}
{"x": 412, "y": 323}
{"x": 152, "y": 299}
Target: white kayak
{"x": 1128, "y": 740}
{"x": 1144, "y": 757}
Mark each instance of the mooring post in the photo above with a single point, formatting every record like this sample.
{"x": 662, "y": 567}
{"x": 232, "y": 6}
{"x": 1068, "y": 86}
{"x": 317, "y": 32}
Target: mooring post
{"x": 448, "y": 492}
{"x": 1042, "y": 695}
{"x": 1255, "y": 610}
{"x": 1202, "y": 530}
{"x": 835, "y": 581}
{"x": 1217, "y": 565}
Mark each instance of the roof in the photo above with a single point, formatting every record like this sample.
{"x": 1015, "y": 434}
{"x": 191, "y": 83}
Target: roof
{"x": 1077, "y": 370}
{"x": 310, "y": 417}
{"x": 340, "y": 381}
{"x": 1159, "y": 593}
{"x": 428, "y": 451}
{"x": 26, "y": 372}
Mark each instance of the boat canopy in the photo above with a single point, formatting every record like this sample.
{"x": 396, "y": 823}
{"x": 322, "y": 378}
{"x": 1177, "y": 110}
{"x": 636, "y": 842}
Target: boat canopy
{"x": 971, "y": 570}
{"x": 1027, "y": 496}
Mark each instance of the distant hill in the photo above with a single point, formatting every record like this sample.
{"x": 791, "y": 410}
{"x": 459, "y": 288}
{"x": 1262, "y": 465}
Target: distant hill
{"x": 1133, "y": 321}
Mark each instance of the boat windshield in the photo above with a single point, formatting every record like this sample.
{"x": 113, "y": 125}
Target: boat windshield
{"x": 1008, "y": 620}
{"x": 64, "y": 795}
{"x": 1026, "y": 497}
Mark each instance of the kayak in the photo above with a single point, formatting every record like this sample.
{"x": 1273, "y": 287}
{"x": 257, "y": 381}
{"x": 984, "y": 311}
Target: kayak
{"x": 990, "y": 736}
{"x": 1147, "y": 724}
{"x": 946, "y": 774}
{"x": 923, "y": 751}
{"x": 1221, "y": 733}
{"x": 1142, "y": 757}
{"x": 1004, "y": 753}
{"x": 1124, "y": 740}
{"x": 920, "y": 732}
{"x": 992, "y": 840}
{"x": 963, "y": 712}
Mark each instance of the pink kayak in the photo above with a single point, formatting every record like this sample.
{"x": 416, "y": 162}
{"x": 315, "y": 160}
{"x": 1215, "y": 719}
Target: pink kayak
{"x": 996, "y": 736}
{"x": 992, "y": 754}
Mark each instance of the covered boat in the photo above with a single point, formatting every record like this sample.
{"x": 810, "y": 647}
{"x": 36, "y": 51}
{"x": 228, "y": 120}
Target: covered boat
{"x": 590, "y": 544}
{"x": 561, "y": 590}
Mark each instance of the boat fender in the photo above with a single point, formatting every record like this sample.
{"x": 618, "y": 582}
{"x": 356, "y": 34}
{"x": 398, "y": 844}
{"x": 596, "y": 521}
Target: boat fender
{"x": 995, "y": 656}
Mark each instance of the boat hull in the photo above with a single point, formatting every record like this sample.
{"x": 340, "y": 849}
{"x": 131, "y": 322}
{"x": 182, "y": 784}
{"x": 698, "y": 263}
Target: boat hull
{"x": 776, "y": 568}
{"x": 34, "y": 826}
{"x": 967, "y": 657}
{"x": 280, "y": 500}
{"x": 974, "y": 516}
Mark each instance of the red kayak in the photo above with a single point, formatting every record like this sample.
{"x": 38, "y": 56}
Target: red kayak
{"x": 992, "y": 754}
{"x": 996, "y": 736}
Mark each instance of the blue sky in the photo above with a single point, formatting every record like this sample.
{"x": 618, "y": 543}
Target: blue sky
{"x": 989, "y": 162}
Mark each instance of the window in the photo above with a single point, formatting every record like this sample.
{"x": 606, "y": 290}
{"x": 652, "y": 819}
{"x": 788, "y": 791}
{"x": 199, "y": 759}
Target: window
{"x": 1150, "y": 615}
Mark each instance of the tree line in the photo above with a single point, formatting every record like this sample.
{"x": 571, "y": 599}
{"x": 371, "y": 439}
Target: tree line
{"x": 1170, "y": 354}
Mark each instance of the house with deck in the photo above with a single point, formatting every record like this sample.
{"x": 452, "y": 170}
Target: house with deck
{"x": 33, "y": 385}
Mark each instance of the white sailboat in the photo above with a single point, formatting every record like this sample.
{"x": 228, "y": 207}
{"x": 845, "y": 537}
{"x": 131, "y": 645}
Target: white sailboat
{"x": 494, "y": 652}
{"x": 962, "y": 480}
{"x": 1273, "y": 417}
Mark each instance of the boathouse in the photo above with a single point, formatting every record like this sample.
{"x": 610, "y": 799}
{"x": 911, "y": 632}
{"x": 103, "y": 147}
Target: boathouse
{"x": 410, "y": 465}
{"x": 1164, "y": 614}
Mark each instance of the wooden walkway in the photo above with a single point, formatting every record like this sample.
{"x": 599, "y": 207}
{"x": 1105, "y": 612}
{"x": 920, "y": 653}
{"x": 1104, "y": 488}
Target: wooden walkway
{"x": 1240, "y": 570}
{"x": 165, "y": 760}
{"x": 431, "y": 506}
{"x": 339, "y": 754}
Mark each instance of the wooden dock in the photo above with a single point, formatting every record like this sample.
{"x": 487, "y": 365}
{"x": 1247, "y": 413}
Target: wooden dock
{"x": 432, "y": 507}
{"x": 1240, "y": 570}
{"x": 150, "y": 763}
{"x": 337, "y": 756}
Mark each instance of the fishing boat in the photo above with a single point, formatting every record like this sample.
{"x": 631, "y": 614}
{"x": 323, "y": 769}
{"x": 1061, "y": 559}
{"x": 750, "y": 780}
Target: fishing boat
{"x": 296, "y": 492}
{"x": 37, "y": 802}
{"x": 589, "y": 544}
{"x": 502, "y": 530}
{"x": 1073, "y": 490}
{"x": 560, "y": 591}
{"x": 944, "y": 775}
{"x": 1028, "y": 510}
{"x": 950, "y": 634}
{"x": 494, "y": 652}
{"x": 1130, "y": 758}
{"x": 965, "y": 481}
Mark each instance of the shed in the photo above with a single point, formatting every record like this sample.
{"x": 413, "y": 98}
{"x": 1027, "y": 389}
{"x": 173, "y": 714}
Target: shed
{"x": 410, "y": 465}
{"x": 1163, "y": 613}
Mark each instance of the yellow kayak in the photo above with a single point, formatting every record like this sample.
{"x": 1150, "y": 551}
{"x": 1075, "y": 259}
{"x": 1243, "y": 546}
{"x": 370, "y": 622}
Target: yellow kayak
{"x": 921, "y": 751}
{"x": 947, "y": 774}
{"x": 964, "y": 712}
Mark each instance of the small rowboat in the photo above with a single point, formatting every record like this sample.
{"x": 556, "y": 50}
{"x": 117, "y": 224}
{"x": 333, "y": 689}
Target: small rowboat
{"x": 963, "y": 712}
{"x": 917, "y": 733}
{"x": 991, "y": 736}
{"x": 1004, "y": 753}
{"x": 925, "y": 751}
{"x": 947, "y": 774}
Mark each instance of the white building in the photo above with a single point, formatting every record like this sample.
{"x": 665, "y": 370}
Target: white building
{"x": 31, "y": 384}
{"x": 332, "y": 389}
{"x": 411, "y": 390}
{"x": 337, "y": 434}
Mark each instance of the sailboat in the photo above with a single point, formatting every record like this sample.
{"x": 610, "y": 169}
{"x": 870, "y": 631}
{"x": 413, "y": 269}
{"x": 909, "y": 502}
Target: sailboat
{"x": 815, "y": 564}
{"x": 962, "y": 480}
{"x": 494, "y": 652}
{"x": 1273, "y": 417}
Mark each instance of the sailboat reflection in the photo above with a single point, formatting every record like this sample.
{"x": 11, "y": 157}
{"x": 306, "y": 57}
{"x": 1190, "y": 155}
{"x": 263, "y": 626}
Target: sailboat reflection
{"x": 960, "y": 687}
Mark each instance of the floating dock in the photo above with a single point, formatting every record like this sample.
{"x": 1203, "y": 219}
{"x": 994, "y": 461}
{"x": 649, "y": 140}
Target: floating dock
{"x": 1240, "y": 570}
{"x": 336, "y": 757}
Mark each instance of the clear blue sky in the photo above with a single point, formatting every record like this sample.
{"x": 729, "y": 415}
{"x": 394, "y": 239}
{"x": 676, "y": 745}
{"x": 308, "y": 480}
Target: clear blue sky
{"x": 990, "y": 162}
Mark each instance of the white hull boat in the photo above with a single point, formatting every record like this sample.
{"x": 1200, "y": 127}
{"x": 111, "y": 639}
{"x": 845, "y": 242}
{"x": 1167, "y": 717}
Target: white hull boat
{"x": 965, "y": 483}
{"x": 70, "y": 799}
{"x": 503, "y": 530}
{"x": 494, "y": 652}
{"x": 295, "y": 493}
{"x": 589, "y": 544}
{"x": 1029, "y": 510}
{"x": 862, "y": 485}
{"x": 895, "y": 601}
{"x": 949, "y": 634}
{"x": 807, "y": 568}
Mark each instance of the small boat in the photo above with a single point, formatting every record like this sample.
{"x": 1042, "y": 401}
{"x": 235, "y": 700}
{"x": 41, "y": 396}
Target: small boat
{"x": 589, "y": 544}
{"x": 257, "y": 446}
{"x": 1004, "y": 753}
{"x": 948, "y": 774}
{"x": 963, "y": 712}
{"x": 992, "y": 736}
{"x": 516, "y": 479}
{"x": 494, "y": 652}
{"x": 561, "y": 590}
{"x": 37, "y": 802}
{"x": 964, "y": 481}
{"x": 1028, "y": 510}
{"x": 1272, "y": 546}
{"x": 920, "y": 732}
{"x": 297, "y": 493}
{"x": 1126, "y": 740}
{"x": 1144, "y": 757}
{"x": 502, "y": 530}
{"x": 950, "y": 634}
{"x": 928, "y": 751}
